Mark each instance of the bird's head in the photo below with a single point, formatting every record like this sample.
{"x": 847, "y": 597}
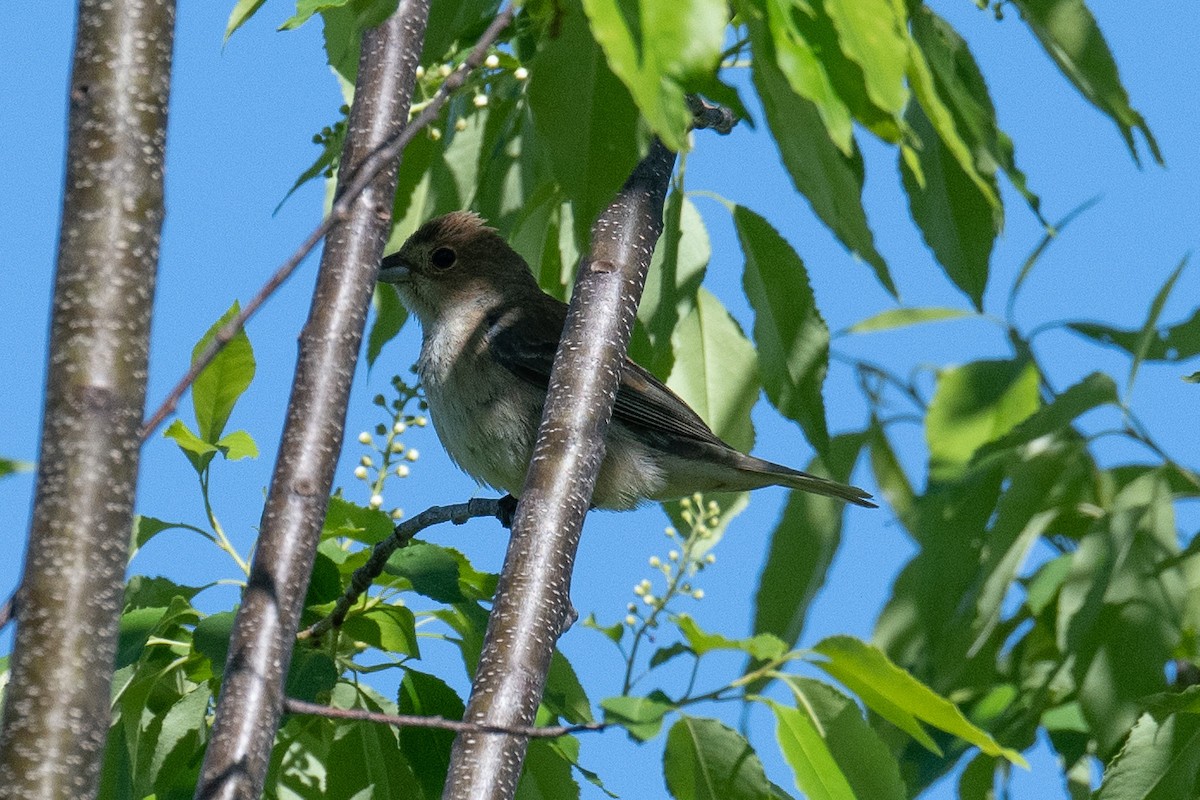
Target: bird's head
{"x": 453, "y": 260}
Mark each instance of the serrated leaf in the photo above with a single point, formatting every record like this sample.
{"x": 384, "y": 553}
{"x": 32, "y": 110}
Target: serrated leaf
{"x": 899, "y": 697}
{"x": 440, "y": 573}
{"x": 659, "y": 51}
{"x": 762, "y": 646}
{"x": 831, "y": 180}
{"x": 428, "y": 749}
{"x": 716, "y": 370}
{"x": 705, "y": 760}
{"x": 817, "y": 774}
{"x": 957, "y": 221}
{"x": 792, "y": 338}
{"x": 220, "y": 384}
{"x": 1160, "y": 761}
{"x": 974, "y": 404}
{"x": 564, "y": 696}
{"x": 1068, "y": 32}
{"x": 903, "y": 317}
{"x": 357, "y": 523}
{"x": 642, "y": 717}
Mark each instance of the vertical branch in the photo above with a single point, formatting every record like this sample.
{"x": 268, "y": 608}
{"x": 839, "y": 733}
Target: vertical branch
{"x": 532, "y": 600}
{"x": 57, "y": 714}
{"x": 260, "y": 649}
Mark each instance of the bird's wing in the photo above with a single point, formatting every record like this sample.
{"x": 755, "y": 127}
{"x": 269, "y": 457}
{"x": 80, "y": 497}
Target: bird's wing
{"x": 642, "y": 399}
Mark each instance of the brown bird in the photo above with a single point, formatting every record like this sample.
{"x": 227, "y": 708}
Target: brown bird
{"x": 489, "y": 338}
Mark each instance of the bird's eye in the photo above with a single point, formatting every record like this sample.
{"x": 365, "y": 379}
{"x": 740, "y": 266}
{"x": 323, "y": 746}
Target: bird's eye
{"x": 443, "y": 258}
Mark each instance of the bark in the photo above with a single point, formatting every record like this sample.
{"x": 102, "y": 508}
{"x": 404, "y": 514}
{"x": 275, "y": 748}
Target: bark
{"x": 57, "y": 709}
{"x": 532, "y": 604}
{"x": 260, "y": 650}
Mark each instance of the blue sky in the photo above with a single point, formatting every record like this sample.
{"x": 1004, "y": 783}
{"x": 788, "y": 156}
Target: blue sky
{"x": 240, "y": 127}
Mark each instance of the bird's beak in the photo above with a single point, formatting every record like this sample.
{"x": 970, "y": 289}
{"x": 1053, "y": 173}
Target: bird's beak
{"x": 394, "y": 270}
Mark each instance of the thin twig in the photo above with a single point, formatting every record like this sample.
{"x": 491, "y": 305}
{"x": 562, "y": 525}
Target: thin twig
{"x": 293, "y": 706}
{"x": 365, "y": 575}
{"x": 371, "y": 167}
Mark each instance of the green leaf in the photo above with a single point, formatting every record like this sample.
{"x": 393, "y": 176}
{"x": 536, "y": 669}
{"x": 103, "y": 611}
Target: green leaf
{"x": 428, "y": 749}
{"x": 872, "y": 34}
{"x": 211, "y": 638}
{"x": 182, "y": 733}
{"x": 390, "y": 316}
{"x": 792, "y": 339}
{"x": 453, "y": 24}
{"x": 387, "y": 627}
{"x": 664, "y": 654}
{"x": 803, "y": 62}
{"x": 641, "y": 716}
{"x": 9, "y": 466}
{"x": 440, "y": 573}
{"x": 705, "y": 760}
{"x": 221, "y": 383}
{"x": 893, "y": 483}
{"x": 146, "y": 528}
{"x": 1160, "y": 761}
{"x": 143, "y": 591}
{"x": 957, "y": 221}
{"x": 716, "y": 370}
{"x": 613, "y": 632}
{"x": 676, "y": 270}
{"x": 344, "y": 519}
{"x": 369, "y": 761}
{"x": 802, "y": 548}
{"x": 961, "y": 86}
{"x": 591, "y": 141}
{"x": 242, "y": 11}
{"x": 311, "y": 675}
{"x": 547, "y": 774}
{"x": 763, "y": 646}
{"x": 900, "y": 698}
{"x": 903, "y": 317}
{"x": 862, "y": 757}
{"x": 237, "y": 445}
{"x": 327, "y": 161}
{"x": 198, "y": 451}
{"x": 817, "y": 774}
{"x": 659, "y": 51}
{"x": 564, "y": 696}
{"x": 831, "y": 180}
{"x": 1069, "y": 34}
{"x": 1095, "y": 390}
{"x": 975, "y": 404}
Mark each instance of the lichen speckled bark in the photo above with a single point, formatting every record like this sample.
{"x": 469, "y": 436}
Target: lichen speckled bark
{"x": 57, "y": 712}
{"x": 532, "y": 600}
{"x": 260, "y": 649}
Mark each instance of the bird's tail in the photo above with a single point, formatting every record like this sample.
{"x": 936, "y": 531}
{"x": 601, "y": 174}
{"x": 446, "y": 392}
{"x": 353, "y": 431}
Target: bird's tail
{"x": 805, "y": 482}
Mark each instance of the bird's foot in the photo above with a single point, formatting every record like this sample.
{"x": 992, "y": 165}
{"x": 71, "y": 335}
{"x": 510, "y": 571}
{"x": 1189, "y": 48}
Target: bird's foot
{"x": 508, "y": 510}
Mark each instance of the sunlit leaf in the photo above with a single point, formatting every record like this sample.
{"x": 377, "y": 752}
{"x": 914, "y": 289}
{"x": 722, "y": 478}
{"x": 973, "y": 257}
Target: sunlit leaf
{"x": 763, "y": 646}
{"x": 900, "y": 698}
{"x": 242, "y": 11}
{"x": 817, "y": 773}
{"x": 641, "y": 716}
{"x": 220, "y": 384}
{"x": 1160, "y": 761}
{"x": 903, "y": 317}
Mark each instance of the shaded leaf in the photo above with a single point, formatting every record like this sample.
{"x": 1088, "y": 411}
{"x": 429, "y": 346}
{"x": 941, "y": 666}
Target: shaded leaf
{"x": 1068, "y": 32}
{"x": 357, "y": 523}
{"x": 792, "y": 339}
{"x": 1160, "y": 761}
{"x": 642, "y": 717}
{"x": 1095, "y": 390}
{"x": 428, "y": 749}
{"x": 440, "y": 573}
{"x": 705, "y": 760}
{"x": 387, "y": 627}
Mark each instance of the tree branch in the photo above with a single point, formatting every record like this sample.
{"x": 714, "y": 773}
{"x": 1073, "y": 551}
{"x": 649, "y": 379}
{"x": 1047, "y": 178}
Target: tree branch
{"x": 56, "y": 714}
{"x": 264, "y": 632}
{"x": 365, "y": 575}
{"x": 293, "y": 706}
{"x": 532, "y": 600}
{"x": 351, "y": 185}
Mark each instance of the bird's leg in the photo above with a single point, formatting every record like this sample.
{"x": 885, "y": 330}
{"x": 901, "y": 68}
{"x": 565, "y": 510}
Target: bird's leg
{"x": 507, "y": 510}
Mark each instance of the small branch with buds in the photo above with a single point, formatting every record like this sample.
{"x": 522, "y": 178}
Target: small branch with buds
{"x": 293, "y": 706}
{"x": 365, "y": 575}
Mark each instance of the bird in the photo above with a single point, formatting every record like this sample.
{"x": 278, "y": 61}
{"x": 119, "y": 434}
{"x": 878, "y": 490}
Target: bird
{"x": 489, "y": 335}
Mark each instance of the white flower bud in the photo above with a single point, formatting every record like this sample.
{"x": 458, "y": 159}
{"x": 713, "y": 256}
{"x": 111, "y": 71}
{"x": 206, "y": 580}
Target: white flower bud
{"x": 360, "y": 473}
{"x": 444, "y": 70}
{"x": 399, "y": 428}
{"x": 376, "y": 500}
{"x": 480, "y": 100}
{"x": 492, "y": 61}
{"x": 364, "y": 437}
{"x": 412, "y": 455}
{"x": 402, "y": 471}
{"x": 366, "y": 461}
{"x": 520, "y": 73}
